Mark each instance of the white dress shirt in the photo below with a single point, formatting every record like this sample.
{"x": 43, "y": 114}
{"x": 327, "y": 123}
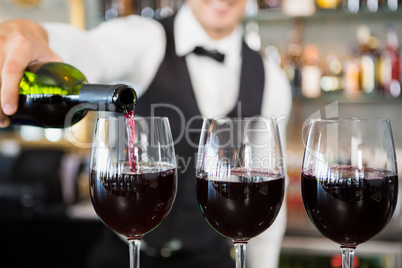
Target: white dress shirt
{"x": 216, "y": 85}
{"x": 130, "y": 50}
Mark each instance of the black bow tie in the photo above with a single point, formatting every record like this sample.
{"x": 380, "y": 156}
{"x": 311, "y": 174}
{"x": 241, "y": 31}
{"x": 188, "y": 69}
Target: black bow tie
{"x": 214, "y": 54}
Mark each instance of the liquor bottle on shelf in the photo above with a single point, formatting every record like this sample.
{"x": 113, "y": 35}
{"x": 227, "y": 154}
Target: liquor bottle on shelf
{"x": 367, "y": 47}
{"x": 292, "y": 63}
{"x": 391, "y": 5}
{"x": 298, "y": 8}
{"x": 390, "y": 64}
{"x": 270, "y": 4}
{"x": 351, "y": 70}
{"x": 311, "y": 72}
{"x": 57, "y": 95}
{"x": 328, "y": 4}
{"x": 332, "y": 81}
{"x": 351, "y": 6}
{"x": 369, "y": 5}
{"x": 112, "y": 9}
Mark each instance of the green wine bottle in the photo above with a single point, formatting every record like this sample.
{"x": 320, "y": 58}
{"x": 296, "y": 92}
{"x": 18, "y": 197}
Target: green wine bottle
{"x": 57, "y": 95}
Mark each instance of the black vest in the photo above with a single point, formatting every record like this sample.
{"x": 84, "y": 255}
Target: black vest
{"x": 171, "y": 95}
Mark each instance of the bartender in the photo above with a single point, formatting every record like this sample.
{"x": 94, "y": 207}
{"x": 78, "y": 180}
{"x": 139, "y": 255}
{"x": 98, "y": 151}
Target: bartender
{"x": 191, "y": 65}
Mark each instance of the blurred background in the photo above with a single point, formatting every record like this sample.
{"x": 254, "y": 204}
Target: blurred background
{"x": 342, "y": 58}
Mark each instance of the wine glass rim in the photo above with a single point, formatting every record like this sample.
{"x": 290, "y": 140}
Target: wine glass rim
{"x": 240, "y": 118}
{"x": 346, "y": 119}
{"x": 112, "y": 118}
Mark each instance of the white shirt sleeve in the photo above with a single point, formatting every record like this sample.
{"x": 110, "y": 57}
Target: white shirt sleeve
{"x": 263, "y": 251}
{"x": 124, "y": 50}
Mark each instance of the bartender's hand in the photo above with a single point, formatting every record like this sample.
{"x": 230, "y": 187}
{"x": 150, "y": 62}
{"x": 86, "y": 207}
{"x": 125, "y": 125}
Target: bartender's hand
{"x": 22, "y": 42}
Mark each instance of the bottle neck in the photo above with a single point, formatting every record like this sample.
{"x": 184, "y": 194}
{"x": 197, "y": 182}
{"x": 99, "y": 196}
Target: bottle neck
{"x": 114, "y": 98}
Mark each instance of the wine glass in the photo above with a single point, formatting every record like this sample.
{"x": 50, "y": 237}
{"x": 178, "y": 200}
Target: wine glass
{"x": 240, "y": 178}
{"x": 349, "y": 180}
{"x": 133, "y": 176}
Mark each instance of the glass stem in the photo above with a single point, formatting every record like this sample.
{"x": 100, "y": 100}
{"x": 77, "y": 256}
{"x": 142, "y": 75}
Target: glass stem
{"x": 134, "y": 250}
{"x": 348, "y": 254}
{"x": 240, "y": 249}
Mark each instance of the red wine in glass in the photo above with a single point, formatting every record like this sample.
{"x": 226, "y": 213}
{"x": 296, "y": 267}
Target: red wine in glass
{"x": 352, "y": 208}
{"x": 242, "y": 207}
{"x": 133, "y": 204}
{"x": 349, "y": 180}
{"x": 133, "y": 184}
{"x": 240, "y": 179}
